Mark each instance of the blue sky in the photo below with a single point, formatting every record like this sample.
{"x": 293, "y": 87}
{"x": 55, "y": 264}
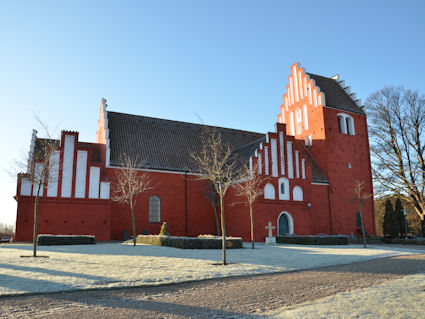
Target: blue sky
{"x": 225, "y": 62}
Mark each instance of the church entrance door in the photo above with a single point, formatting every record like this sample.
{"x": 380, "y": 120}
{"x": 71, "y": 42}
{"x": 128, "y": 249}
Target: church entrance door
{"x": 283, "y": 225}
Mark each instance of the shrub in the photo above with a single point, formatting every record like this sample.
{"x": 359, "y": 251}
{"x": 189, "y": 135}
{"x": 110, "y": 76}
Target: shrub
{"x": 6, "y": 230}
{"x": 189, "y": 242}
{"x": 47, "y": 240}
{"x": 312, "y": 240}
{"x": 164, "y": 230}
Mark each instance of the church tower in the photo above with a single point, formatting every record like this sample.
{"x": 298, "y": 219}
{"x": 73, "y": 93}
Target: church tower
{"x": 325, "y": 114}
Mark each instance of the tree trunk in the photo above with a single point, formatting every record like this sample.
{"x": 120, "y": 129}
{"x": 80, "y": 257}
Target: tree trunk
{"x": 133, "y": 221}
{"x": 34, "y": 234}
{"x": 363, "y": 230}
{"x": 223, "y": 232}
{"x": 252, "y": 226}
{"x": 217, "y": 226}
{"x": 423, "y": 227}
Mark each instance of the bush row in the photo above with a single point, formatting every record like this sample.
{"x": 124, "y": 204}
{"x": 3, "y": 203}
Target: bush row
{"x": 312, "y": 240}
{"x": 410, "y": 241}
{"x": 188, "y": 242}
{"x": 46, "y": 240}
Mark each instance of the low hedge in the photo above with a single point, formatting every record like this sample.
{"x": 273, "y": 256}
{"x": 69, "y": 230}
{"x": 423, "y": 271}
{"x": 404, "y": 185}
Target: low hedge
{"x": 201, "y": 242}
{"x": 403, "y": 241}
{"x": 312, "y": 240}
{"x": 47, "y": 240}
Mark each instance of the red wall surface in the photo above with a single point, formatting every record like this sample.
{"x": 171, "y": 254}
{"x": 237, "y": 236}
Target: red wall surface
{"x": 343, "y": 149}
{"x": 183, "y": 207}
{"x": 64, "y": 217}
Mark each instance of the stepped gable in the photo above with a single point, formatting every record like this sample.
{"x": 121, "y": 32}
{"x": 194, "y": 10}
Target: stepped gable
{"x": 165, "y": 144}
{"x": 335, "y": 95}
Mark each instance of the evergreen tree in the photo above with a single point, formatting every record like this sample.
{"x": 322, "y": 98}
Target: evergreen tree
{"x": 400, "y": 217}
{"x": 391, "y": 225}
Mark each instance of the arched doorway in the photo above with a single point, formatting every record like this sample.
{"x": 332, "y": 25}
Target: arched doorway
{"x": 285, "y": 224}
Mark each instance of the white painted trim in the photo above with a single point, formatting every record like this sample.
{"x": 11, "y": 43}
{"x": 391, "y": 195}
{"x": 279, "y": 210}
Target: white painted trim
{"x": 318, "y": 183}
{"x": 38, "y": 178}
{"x": 266, "y": 160}
{"x": 300, "y": 81}
{"x": 250, "y": 166}
{"x": 94, "y": 182}
{"x": 303, "y": 168}
{"x": 81, "y": 174}
{"x": 297, "y": 164}
{"x": 53, "y": 182}
{"x": 282, "y": 153}
{"x": 260, "y": 164}
{"x": 25, "y": 187}
{"x": 297, "y": 194}
{"x": 105, "y": 189}
{"x": 346, "y": 129}
{"x": 269, "y": 191}
{"x": 31, "y": 151}
{"x": 323, "y": 99}
{"x": 68, "y": 165}
{"x": 305, "y": 116}
{"x": 290, "y": 223}
{"x": 273, "y": 145}
{"x": 289, "y": 157}
{"x": 291, "y": 87}
{"x": 295, "y": 75}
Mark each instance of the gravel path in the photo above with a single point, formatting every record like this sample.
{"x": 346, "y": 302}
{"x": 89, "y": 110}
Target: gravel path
{"x": 219, "y": 298}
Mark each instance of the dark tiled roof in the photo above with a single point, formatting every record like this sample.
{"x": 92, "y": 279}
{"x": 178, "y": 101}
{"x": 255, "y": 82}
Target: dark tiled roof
{"x": 335, "y": 96}
{"x": 167, "y": 145}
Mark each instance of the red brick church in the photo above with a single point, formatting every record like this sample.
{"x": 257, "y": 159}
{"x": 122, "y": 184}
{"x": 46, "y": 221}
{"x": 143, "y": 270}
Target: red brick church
{"x": 318, "y": 150}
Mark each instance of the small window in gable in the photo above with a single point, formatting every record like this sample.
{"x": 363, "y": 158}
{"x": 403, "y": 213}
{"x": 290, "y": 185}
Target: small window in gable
{"x": 283, "y": 188}
{"x": 269, "y": 192}
{"x": 154, "y": 209}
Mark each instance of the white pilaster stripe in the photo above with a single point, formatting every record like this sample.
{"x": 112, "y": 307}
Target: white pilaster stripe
{"x": 68, "y": 165}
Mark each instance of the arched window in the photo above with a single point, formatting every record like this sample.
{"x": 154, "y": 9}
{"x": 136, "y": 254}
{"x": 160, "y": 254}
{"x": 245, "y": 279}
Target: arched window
{"x": 269, "y": 192}
{"x": 154, "y": 209}
{"x": 283, "y": 188}
{"x": 346, "y": 124}
{"x": 297, "y": 193}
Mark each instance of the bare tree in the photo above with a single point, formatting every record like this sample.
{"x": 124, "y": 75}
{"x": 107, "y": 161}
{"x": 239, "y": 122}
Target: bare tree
{"x": 211, "y": 196}
{"x": 360, "y": 197}
{"x": 129, "y": 182}
{"x": 40, "y": 160}
{"x": 397, "y": 131}
{"x": 217, "y": 165}
{"x": 251, "y": 188}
